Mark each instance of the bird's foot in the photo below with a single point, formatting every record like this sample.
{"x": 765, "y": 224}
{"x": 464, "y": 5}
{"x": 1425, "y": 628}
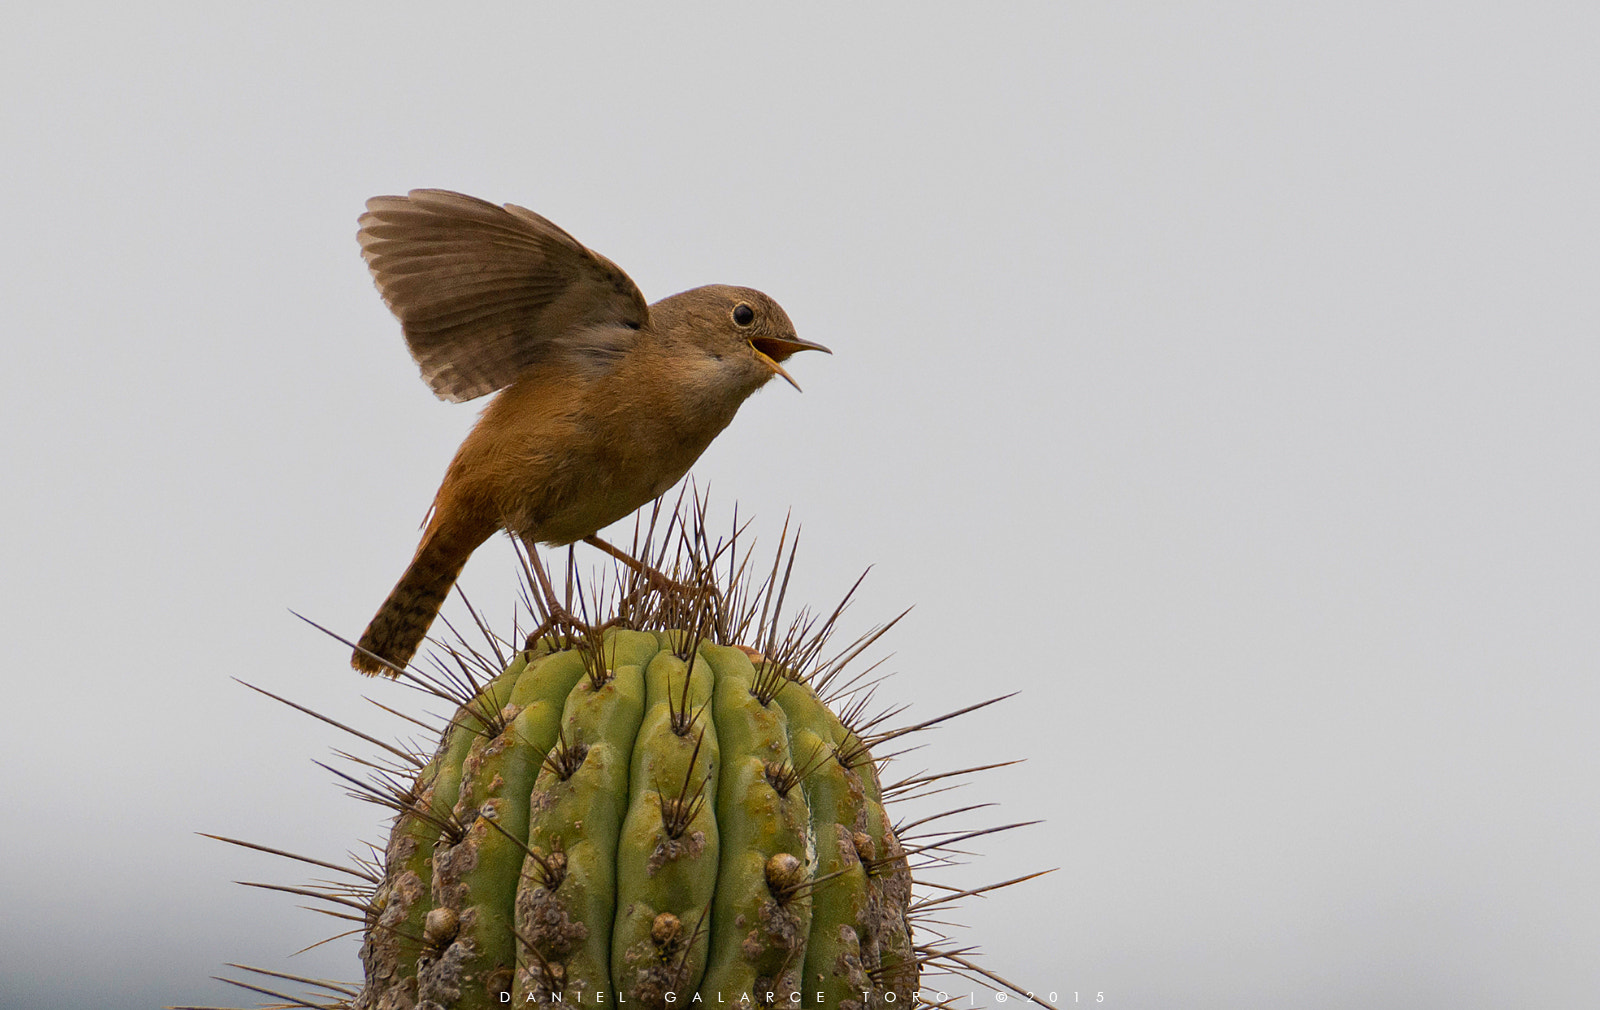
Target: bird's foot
{"x": 668, "y": 586}
{"x": 559, "y": 623}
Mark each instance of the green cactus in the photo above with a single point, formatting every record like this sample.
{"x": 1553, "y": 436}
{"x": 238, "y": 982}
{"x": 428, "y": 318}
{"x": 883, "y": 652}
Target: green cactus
{"x": 634, "y": 811}
{"x": 640, "y": 826}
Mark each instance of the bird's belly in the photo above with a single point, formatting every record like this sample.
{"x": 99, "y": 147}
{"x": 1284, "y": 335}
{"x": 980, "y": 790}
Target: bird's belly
{"x": 589, "y": 491}
{"x": 603, "y": 505}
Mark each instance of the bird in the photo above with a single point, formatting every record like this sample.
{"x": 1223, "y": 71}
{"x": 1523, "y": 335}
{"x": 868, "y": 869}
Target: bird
{"x": 603, "y": 401}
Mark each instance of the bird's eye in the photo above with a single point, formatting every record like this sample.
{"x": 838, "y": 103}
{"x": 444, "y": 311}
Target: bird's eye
{"x": 743, "y": 314}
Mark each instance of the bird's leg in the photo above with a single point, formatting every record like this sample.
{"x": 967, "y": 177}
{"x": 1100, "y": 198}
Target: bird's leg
{"x": 707, "y": 592}
{"x": 557, "y": 617}
{"x": 661, "y": 581}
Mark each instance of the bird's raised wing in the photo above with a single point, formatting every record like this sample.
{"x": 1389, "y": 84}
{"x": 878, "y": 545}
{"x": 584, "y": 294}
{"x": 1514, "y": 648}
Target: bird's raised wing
{"x": 483, "y": 292}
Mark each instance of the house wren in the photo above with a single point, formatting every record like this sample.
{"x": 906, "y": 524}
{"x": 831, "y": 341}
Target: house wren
{"x": 606, "y": 403}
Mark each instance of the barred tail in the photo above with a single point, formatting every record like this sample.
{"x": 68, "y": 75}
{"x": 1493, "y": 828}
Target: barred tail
{"x": 406, "y": 615}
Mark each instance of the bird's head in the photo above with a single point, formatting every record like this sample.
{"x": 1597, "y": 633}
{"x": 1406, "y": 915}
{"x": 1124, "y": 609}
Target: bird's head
{"x": 745, "y": 333}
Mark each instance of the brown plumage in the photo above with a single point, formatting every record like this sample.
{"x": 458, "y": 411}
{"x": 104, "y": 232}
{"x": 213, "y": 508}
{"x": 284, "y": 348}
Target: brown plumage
{"x": 606, "y": 402}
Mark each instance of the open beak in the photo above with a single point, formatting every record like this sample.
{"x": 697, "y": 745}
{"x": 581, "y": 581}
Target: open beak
{"x": 775, "y": 349}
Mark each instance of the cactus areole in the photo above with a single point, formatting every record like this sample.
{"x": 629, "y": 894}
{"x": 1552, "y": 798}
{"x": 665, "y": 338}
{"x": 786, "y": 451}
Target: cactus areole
{"x": 638, "y": 823}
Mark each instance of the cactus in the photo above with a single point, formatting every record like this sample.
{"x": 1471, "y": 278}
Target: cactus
{"x": 655, "y": 821}
{"x": 646, "y": 807}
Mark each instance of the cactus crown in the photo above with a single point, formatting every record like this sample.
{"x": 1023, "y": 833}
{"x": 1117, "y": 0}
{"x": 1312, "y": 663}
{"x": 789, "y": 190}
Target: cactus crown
{"x": 657, "y": 790}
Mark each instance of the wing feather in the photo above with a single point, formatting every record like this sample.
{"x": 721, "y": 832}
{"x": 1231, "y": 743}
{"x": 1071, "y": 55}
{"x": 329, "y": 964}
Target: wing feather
{"x": 483, "y": 292}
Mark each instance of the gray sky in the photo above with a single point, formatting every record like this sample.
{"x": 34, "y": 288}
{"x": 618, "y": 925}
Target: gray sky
{"x": 1223, "y": 377}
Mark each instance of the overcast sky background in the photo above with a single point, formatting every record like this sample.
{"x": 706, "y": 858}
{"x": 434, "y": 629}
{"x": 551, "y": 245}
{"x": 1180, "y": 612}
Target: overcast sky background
{"x": 1223, "y": 377}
